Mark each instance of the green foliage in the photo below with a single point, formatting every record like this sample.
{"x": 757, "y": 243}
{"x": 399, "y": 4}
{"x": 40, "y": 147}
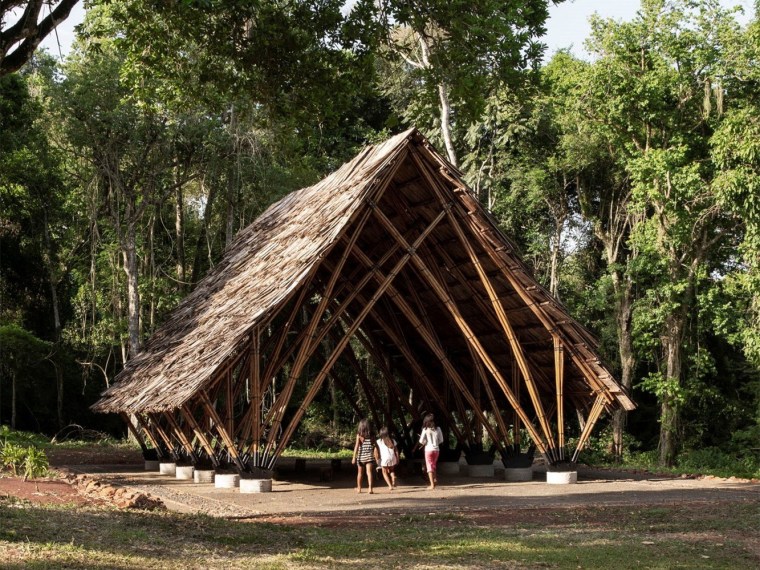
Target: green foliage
{"x": 19, "y": 457}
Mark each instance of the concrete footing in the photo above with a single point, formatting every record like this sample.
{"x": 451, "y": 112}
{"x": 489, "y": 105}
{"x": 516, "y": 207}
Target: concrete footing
{"x": 518, "y": 473}
{"x": 255, "y": 485}
{"x": 561, "y": 477}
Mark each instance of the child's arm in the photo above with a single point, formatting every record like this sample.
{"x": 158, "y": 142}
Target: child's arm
{"x": 356, "y": 450}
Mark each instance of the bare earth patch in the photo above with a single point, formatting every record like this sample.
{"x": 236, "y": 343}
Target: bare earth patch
{"x": 42, "y": 492}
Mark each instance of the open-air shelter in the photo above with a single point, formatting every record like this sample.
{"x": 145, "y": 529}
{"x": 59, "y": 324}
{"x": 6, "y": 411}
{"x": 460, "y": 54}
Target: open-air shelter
{"x": 391, "y": 255}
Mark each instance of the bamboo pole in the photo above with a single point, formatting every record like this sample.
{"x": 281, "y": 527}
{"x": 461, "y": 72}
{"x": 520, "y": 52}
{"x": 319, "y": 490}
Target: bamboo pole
{"x": 166, "y": 439}
{"x": 185, "y": 410}
{"x": 149, "y": 433}
{"x": 347, "y": 337}
{"x": 469, "y": 336}
{"x": 133, "y": 430}
{"x": 180, "y": 434}
{"x": 491, "y": 397}
{"x": 593, "y": 416}
{"x": 418, "y": 325}
{"x": 559, "y": 370}
{"x": 308, "y": 346}
{"x": 500, "y": 260}
{"x": 219, "y": 426}
{"x": 514, "y": 343}
{"x": 426, "y": 384}
{"x": 516, "y": 388}
{"x": 255, "y": 385}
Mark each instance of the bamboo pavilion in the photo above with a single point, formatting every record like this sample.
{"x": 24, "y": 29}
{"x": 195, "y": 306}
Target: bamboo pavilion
{"x": 392, "y": 256}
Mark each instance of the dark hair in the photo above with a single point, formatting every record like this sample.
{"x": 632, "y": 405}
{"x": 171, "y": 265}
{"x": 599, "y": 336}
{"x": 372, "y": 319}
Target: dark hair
{"x": 428, "y": 421}
{"x": 364, "y": 430}
{"x": 385, "y": 436}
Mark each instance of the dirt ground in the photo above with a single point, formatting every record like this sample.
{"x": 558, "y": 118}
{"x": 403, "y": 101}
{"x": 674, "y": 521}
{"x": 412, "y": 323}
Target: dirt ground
{"x": 42, "y": 492}
{"x": 318, "y": 496}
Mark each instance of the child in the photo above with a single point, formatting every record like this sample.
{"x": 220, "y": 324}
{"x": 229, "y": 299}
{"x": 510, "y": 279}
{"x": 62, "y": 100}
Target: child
{"x": 364, "y": 455}
{"x": 431, "y": 437}
{"x": 388, "y": 457}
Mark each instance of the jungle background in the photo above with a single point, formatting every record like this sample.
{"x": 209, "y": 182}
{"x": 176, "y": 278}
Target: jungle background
{"x": 630, "y": 181}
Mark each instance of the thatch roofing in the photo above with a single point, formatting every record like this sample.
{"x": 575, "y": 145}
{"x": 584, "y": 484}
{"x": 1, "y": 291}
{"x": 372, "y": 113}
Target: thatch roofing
{"x": 274, "y": 256}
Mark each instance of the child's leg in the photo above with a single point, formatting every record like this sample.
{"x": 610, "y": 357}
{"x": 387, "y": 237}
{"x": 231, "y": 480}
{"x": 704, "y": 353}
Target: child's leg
{"x": 387, "y": 477}
{"x": 393, "y": 476}
{"x": 359, "y": 468}
{"x": 370, "y": 476}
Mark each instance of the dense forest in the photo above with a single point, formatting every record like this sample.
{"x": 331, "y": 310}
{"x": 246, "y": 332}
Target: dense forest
{"x": 630, "y": 181}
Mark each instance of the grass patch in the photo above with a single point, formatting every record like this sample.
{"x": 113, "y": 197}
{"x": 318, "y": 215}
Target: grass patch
{"x": 608, "y": 537}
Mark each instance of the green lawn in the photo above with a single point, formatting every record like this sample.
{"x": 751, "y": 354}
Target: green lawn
{"x": 714, "y": 536}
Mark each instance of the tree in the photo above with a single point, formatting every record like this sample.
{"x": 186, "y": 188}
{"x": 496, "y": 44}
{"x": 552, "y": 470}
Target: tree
{"x": 456, "y": 53}
{"x": 23, "y": 25}
{"x": 21, "y": 351}
{"x": 657, "y": 84}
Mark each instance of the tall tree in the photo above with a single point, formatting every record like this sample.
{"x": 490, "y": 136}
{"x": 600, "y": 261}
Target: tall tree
{"x": 456, "y": 53}
{"x": 657, "y": 83}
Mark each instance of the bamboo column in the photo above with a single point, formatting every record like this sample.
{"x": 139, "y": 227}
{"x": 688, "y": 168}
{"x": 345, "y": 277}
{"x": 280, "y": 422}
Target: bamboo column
{"x": 514, "y": 342}
{"x": 593, "y": 416}
{"x": 468, "y": 334}
{"x": 347, "y": 337}
{"x": 188, "y": 415}
{"x": 559, "y": 369}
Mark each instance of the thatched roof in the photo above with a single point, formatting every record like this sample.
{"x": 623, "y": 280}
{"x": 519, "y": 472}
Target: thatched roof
{"x": 274, "y": 256}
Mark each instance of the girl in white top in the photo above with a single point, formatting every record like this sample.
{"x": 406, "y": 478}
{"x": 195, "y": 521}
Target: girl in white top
{"x": 431, "y": 437}
{"x": 388, "y": 457}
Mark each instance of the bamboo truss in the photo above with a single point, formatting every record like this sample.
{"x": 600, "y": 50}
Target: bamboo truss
{"x": 393, "y": 252}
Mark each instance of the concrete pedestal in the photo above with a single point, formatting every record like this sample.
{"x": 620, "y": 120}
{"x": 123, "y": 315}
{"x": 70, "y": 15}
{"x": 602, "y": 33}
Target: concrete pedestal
{"x": 226, "y": 480}
{"x": 255, "y": 485}
{"x": 203, "y": 476}
{"x": 518, "y": 474}
{"x": 184, "y": 472}
{"x": 448, "y": 467}
{"x": 480, "y": 470}
{"x": 561, "y": 477}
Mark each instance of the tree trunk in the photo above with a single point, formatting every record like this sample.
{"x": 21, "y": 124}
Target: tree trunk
{"x": 669, "y": 405}
{"x": 623, "y": 288}
{"x": 179, "y": 226}
{"x": 129, "y": 254}
{"x": 446, "y": 124}
{"x": 555, "y": 251}
{"x": 13, "y": 400}
{"x": 200, "y": 246}
{"x": 53, "y": 281}
{"x": 231, "y": 181}
{"x": 443, "y": 96}
{"x": 334, "y": 404}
